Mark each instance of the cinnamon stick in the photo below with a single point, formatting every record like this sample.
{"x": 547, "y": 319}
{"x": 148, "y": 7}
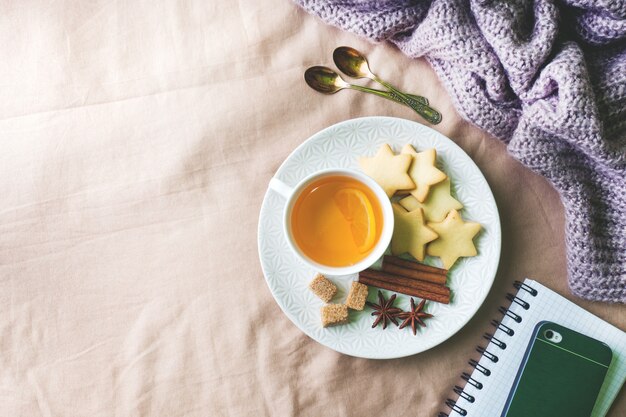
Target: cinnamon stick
{"x": 412, "y": 265}
{"x": 405, "y": 290}
{"x": 435, "y": 278}
{"x": 405, "y": 281}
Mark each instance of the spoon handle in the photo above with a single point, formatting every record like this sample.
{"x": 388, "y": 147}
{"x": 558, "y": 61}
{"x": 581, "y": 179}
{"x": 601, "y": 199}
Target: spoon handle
{"x": 419, "y": 99}
{"x": 390, "y": 95}
{"x": 427, "y": 112}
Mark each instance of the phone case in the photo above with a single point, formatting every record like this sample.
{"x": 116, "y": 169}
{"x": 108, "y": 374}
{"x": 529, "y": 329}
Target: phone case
{"x": 558, "y": 378}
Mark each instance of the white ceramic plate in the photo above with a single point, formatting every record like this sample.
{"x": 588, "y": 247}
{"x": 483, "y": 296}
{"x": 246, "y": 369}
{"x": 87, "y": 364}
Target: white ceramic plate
{"x": 339, "y": 146}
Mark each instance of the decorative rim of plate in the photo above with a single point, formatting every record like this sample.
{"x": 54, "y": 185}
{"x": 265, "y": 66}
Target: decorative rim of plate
{"x": 497, "y": 236}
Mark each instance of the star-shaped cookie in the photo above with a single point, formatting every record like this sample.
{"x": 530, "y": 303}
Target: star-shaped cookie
{"x": 389, "y": 170}
{"x": 410, "y": 233}
{"x": 455, "y": 239}
{"x": 423, "y": 171}
{"x": 438, "y": 203}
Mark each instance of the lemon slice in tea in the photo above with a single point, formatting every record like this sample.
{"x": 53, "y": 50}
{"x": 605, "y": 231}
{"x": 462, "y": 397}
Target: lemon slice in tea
{"x": 357, "y": 210}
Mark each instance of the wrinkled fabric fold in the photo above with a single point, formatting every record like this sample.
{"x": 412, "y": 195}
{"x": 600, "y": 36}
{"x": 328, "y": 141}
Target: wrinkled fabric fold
{"x": 546, "y": 77}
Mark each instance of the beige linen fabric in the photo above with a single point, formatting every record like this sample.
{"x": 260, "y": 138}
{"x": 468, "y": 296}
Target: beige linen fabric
{"x": 137, "y": 140}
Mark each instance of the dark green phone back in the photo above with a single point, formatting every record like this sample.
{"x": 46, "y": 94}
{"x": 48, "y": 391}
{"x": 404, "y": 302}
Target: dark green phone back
{"x": 561, "y": 379}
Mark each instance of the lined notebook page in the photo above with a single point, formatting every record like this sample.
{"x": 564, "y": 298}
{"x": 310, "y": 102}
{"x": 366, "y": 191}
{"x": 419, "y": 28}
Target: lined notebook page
{"x": 546, "y": 305}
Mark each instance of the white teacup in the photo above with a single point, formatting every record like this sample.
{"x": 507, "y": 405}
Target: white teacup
{"x": 292, "y": 194}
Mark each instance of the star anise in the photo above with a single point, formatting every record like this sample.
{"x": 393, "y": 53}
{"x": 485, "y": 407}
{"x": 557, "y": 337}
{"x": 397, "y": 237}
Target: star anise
{"x": 384, "y": 310}
{"x": 415, "y": 316}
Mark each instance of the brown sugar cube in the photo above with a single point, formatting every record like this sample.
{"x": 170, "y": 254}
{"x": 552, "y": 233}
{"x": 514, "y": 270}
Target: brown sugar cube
{"x": 334, "y": 314}
{"x": 357, "y": 296}
{"x": 323, "y": 288}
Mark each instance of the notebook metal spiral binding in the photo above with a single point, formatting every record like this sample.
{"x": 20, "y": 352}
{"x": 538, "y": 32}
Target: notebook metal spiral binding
{"x": 518, "y": 301}
{"x": 523, "y": 286}
{"x": 516, "y": 318}
{"x": 502, "y": 327}
{"x": 494, "y": 340}
{"x": 493, "y": 358}
{"x": 456, "y": 408}
{"x": 463, "y": 394}
{"x": 468, "y": 378}
{"x": 474, "y": 363}
{"x": 452, "y": 404}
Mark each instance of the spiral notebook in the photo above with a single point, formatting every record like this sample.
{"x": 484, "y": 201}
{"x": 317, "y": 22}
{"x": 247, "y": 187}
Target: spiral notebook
{"x": 487, "y": 388}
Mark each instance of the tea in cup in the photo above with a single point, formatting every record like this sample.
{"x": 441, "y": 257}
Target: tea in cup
{"x": 338, "y": 221}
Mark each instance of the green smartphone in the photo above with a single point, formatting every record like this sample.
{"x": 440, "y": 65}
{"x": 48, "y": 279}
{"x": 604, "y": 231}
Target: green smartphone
{"x": 561, "y": 374}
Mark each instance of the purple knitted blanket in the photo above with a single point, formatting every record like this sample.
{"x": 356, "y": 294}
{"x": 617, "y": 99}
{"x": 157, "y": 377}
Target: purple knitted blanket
{"x": 547, "y": 77}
